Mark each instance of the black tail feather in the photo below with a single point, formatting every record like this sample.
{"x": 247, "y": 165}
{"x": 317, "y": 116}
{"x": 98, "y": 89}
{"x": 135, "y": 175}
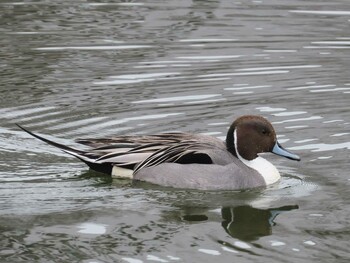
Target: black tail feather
{"x": 81, "y": 155}
{"x": 70, "y": 150}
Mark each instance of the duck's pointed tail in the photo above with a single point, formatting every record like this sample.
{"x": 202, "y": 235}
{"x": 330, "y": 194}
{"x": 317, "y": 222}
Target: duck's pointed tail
{"x": 88, "y": 157}
{"x": 84, "y": 156}
{"x": 70, "y": 150}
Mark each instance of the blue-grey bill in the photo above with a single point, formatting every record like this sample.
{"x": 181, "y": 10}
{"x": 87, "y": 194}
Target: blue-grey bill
{"x": 279, "y": 150}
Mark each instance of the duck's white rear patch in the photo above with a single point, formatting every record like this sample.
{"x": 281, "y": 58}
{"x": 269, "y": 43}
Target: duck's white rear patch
{"x": 119, "y": 172}
{"x": 266, "y": 169}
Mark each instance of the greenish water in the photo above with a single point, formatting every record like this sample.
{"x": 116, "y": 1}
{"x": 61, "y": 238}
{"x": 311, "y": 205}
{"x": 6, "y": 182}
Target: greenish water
{"x": 84, "y": 69}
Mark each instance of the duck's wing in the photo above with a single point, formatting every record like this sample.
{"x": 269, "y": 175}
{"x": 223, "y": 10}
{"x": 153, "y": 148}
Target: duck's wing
{"x": 150, "y": 150}
{"x": 183, "y": 152}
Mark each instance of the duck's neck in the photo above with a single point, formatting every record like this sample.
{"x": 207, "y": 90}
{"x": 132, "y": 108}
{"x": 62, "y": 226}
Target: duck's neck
{"x": 266, "y": 169}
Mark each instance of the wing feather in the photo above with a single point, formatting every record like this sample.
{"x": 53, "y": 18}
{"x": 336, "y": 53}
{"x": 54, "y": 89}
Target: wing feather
{"x": 124, "y": 158}
{"x": 172, "y": 154}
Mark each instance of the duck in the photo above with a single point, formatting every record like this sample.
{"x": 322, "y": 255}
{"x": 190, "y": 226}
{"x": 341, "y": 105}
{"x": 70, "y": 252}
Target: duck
{"x": 187, "y": 160}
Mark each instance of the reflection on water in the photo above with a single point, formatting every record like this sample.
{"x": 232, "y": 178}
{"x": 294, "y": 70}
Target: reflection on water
{"x": 244, "y": 222}
{"x": 248, "y": 223}
{"x": 73, "y": 69}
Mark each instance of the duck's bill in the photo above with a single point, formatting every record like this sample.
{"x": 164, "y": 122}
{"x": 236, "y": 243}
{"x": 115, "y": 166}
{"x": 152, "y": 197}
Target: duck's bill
{"x": 279, "y": 150}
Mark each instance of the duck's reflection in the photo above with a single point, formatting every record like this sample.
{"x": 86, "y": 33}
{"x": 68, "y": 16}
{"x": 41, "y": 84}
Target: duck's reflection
{"x": 245, "y": 222}
{"x": 248, "y": 223}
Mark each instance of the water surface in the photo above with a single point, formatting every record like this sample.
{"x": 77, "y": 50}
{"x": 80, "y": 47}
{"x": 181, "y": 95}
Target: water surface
{"x": 102, "y": 68}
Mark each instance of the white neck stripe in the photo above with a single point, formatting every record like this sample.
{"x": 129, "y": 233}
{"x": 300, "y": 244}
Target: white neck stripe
{"x": 266, "y": 169}
{"x": 236, "y": 147}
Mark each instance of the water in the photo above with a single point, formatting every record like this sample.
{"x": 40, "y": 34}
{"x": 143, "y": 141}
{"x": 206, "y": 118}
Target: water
{"x": 101, "y": 68}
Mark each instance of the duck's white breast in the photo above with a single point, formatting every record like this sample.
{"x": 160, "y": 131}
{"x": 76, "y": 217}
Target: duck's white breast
{"x": 267, "y": 170}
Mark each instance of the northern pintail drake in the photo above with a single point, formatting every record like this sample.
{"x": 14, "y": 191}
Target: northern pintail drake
{"x": 185, "y": 160}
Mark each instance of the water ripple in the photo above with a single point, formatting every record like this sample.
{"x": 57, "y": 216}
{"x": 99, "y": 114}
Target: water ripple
{"x": 245, "y": 73}
{"x": 322, "y": 147}
{"x": 280, "y": 68}
{"x": 321, "y": 12}
{"x": 14, "y": 113}
{"x": 179, "y": 98}
{"x": 91, "y": 48}
{"x": 299, "y": 119}
{"x": 137, "y": 78}
{"x": 209, "y": 40}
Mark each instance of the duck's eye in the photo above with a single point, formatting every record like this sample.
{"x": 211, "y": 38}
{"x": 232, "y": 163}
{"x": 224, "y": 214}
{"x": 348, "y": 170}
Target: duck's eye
{"x": 264, "y": 131}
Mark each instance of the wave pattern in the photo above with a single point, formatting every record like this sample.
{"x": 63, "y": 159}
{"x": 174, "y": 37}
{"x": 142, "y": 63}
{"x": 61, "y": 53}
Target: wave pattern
{"x": 75, "y": 69}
